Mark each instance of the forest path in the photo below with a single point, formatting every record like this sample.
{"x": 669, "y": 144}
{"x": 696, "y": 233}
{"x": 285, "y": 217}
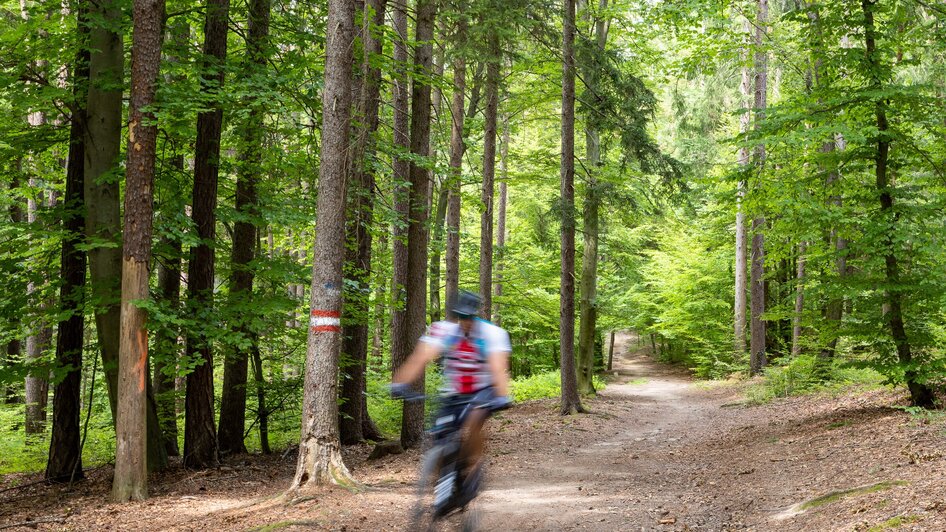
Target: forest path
{"x": 625, "y": 473}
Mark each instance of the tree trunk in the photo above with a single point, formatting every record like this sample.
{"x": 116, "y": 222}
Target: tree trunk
{"x": 920, "y": 394}
{"x": 131, "y": 470}
{"x": 358, "y": 252}
{"x": 757, "y": 357}
{"x": 245, "y": 237}
{"x": 320, "y": 458}
{"x": 570, "y": 401}
{"x": 65, "y": 457}
{"x": 436, "y": 251}
{"x": 200, "y": 436}
{"x": 799, "y": 299}
{"x": 167, "y": 346}
{"x": 262, "y": 410}
{"x": 741, "y": 269}
{"x": 36, "y": 391}
{"x": 489, "y": 172}
{"x": 611, "y": 351}
{"x": 412, "y": 422}
{"x": 102, "y": 146}
{"x": 400, "y": 331}
{"x": 167, "y": 343}
{"x": 452, "y": 262}
{"x": 501, "y": 219}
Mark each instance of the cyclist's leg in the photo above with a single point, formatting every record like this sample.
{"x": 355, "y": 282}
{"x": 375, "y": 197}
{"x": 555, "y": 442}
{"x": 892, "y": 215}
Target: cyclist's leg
{"x": 474, "y": 438}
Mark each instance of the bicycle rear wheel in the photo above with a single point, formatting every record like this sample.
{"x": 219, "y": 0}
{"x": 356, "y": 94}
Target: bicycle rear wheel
{"x": 422, "y": 516}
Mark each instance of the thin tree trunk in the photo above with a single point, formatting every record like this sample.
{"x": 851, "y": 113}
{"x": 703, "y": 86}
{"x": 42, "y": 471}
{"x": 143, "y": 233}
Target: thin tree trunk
{"x": 36, "y": 391}
{"x": 757, "y": 359}
{"x": 489, "y": 172}
{"x": 920, "y": 394}
{"x": 320, "y": 458}
{"x": 262, "y": 412}
{"x": 65, "y": 457}
{"x": 436, "y": 251}
{"x": 799, "y": 299}
{"x": 570, "y": 401}
{"x": 611, "y": 351}
{"x": 245, "y": 237}
{"x": 167, "y": 346}
{"x": 400, "y": 331}
{"x": 167, "y": 341}
{"x": 412, "y": 421}
{"x": 741, "y": 269}
{"x": 131, "y": 469}
{"x": 354, "y": 412}
{"x": 452, "y": 262}
{"x": 200, "y": 436}
{"x": 501, "y": 219}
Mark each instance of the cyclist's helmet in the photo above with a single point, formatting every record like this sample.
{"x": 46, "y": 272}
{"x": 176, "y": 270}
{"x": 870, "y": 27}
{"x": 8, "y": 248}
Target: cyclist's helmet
{"x": 466, "y": 305}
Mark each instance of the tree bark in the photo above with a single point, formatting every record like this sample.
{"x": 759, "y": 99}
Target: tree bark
{"x": 757, "y": 357}
{"x": 245, "y": 237}
{"x": 452, "y": 260}
{"x": 741, "y": 268}
{"x": 570, "y": 401}
{"x": 102, "y": 145}
{"x": 131, "y": 470}
{"x": 920, "y": 394}
{"x": 501, "y": 219}
{"x": 589, "y": 261}
{"x": 200, "y": 436}
{"x": 358, "y": 252}
{"x": 412, "y": 422}
{"x": 65, "y": 457}
{"x": 166, "y": 344}
{"x": 320, "y": 458}
{"x": 489, "y": 171}
{"x": 400, "y": 331}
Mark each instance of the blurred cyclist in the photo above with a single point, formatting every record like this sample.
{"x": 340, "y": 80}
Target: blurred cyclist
{"x": 475, "y": 354}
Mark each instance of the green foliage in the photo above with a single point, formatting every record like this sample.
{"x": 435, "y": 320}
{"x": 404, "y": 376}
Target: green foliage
{"x": 543, "y": 386}
{"x": 809, "y": 374}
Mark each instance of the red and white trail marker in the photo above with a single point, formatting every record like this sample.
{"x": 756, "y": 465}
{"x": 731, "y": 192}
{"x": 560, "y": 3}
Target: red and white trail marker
{"x": 325, "y": 321}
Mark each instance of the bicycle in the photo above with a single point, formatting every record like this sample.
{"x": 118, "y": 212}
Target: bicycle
{"x": 453, "y": 489}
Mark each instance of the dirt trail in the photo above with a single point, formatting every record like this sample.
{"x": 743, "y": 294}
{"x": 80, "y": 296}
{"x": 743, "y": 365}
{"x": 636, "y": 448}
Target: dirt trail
{"x": 658, "y": 451}
{"x": 624, "y": 473}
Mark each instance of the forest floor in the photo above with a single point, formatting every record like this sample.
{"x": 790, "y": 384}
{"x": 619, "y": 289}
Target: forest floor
{"x": 659, "y": 451}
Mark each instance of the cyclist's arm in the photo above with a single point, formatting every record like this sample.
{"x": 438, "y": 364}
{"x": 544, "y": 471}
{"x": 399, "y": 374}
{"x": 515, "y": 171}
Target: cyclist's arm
{"x": 497, "y": 366}
{"x": 423, "y": 354}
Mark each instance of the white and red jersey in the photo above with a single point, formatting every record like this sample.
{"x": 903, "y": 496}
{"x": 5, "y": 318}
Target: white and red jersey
{"x": 465, "y": 357}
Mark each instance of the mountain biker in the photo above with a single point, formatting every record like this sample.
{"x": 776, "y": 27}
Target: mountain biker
{"x": 475, "y": 354}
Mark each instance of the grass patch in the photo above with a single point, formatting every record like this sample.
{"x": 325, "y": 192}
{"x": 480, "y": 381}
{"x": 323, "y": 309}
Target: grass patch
{"x": 544, "y": 385}
{"x": 853, "y": 492}
{"x": 895, "y": 522}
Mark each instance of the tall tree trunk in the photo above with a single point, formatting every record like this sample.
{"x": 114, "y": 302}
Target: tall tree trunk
{"x": 358, "y": 252}
{"x": 589, "y": 261}
{"x": 501, "y": 218}
{"x": 245, "y": 237}
{"x": 452, "y": 183}
{"x": 102, "y": 145}
{"x": 412, "y": 422}
{"x": 757, "y": 357}
{"x": 489, "y": 171}
{"x": 320, "y": 458}
{"x": 920, "y": 394}
{"x": 570, "y": 401}
{"x": 131, "y": 469}
{"x": 799, "y": 299}
{"x": 400, "y": 331}
{"x": 37, "y": 384}
{"x": 167, "y": 342}
{"x": 200, "y": 436}
{"x": 741, "y": 269}
{"x": 65, "y": 457}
